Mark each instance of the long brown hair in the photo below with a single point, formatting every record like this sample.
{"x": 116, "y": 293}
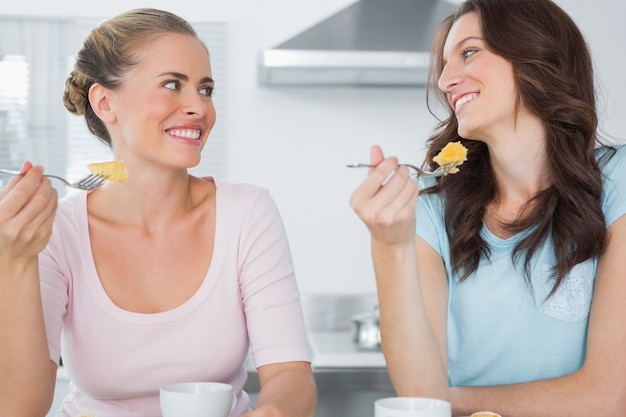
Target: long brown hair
{"x": 553, "y": 72}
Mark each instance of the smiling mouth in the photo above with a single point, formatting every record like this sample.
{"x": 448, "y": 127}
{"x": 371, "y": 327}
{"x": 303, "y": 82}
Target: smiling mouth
{"x": 185, "y": 133}
{"x": 465, "y": 99}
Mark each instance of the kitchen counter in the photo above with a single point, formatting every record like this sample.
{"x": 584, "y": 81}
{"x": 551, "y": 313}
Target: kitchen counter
{"x": 338, "y": 364}
{"x": 342, "y": 392}
{"x": 336, "y": 348}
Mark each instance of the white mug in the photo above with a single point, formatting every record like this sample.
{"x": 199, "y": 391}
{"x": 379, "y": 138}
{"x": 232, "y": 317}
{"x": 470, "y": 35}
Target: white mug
{"x": 412, "y": 407}
{"x": 197, "y": 399}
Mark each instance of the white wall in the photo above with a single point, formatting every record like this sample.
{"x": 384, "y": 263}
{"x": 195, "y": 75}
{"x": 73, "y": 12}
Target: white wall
{"x": 296, "y": 141}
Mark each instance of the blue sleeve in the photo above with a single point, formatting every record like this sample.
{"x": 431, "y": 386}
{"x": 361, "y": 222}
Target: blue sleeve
{"x": 614, "y": 186}
{"x": 430, "y": 222}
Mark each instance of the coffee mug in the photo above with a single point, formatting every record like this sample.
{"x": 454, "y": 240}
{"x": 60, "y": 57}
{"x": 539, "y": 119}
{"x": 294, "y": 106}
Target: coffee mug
{"x": 412, "y": 407}
{"x": 197, "y": 399}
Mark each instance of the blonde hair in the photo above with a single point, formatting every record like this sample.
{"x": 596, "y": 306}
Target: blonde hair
{"x": 109, "y": 51}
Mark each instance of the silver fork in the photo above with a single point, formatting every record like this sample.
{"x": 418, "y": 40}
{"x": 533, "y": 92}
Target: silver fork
{"x": 442, "y": 170}
{"x": 87, "y": 183}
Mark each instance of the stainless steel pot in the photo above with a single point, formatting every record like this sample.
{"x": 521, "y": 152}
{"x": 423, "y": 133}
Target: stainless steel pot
{"x": 367, "y": 330}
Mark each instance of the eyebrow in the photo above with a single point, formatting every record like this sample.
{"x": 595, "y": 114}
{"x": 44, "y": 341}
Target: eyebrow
{"x": 469, "y": 38}
{"x": 184, "y": 77}
{"x": 462, "y": 41}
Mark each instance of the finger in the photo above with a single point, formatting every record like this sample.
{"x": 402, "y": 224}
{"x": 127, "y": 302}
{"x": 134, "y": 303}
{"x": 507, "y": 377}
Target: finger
{"x": 29, "y": 231}
{"x": 402, "y": 206}
{"x": 10, "y": 183}
{"x": 394, "y": 194}
{"x": 19, "y": 192}
{"x": 369, "y": 202}
{"x": 395, "y": 222}
{"x": 376, "y": 178}
{"x": 41, "y": 208}
{"x": 38, "y": 204}
{"x": 26, "y": 166}
{"x": 376, "y": 155}
{"x": 378, "y": 190}
{"x": 40, "y": 228}
{"x": 392, "y": 185}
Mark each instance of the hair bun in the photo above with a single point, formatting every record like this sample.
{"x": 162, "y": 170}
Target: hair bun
{"x": 76, "y": 95}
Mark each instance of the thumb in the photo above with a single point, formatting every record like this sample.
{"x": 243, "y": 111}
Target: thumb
{"x": 26, "y": 166}
{"x": 376, "y": 155}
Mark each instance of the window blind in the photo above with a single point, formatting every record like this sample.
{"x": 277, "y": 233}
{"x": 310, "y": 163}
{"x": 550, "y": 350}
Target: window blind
{"x": 36, "y": 56}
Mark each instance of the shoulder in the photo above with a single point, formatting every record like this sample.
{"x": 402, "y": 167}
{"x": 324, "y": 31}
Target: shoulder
{"x": 612, "y": 160}
{"x": 612, "y": 163}
{"x": 239, "y": 187}
{"x": 241, "y": 192}
{"x": 245, "y": 201}
{"x": 432, "y": 202}
{"x": 429, "y": 214}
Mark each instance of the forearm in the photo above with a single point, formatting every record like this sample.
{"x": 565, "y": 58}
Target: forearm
{"x": 409, "y": 344}
{"x": 26, "y": 386}
{"x": 290, "y": 392}
{"x": 577, "y": 394}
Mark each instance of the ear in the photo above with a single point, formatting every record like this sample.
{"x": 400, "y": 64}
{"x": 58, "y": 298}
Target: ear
{"x": 99, "y": 99}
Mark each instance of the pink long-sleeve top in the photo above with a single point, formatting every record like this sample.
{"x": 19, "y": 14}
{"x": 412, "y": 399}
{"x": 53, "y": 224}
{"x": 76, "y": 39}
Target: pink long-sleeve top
{"x": 117, "y": 359}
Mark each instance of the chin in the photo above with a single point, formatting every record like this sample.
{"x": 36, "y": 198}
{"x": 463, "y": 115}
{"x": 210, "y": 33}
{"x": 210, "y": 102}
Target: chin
{"x": 464, "y": 132}
{"x": 470, "y": 132}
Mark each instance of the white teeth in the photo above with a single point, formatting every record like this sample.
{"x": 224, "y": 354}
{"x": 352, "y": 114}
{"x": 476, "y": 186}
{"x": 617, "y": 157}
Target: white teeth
{"x": 464, "y": 100}
{"x": 185, "y": 133}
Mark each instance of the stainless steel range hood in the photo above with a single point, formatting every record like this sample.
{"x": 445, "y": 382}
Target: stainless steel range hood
{"x": 370, "y": 42}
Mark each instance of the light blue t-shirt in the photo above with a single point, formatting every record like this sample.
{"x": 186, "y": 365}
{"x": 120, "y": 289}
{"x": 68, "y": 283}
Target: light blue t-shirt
{"x": 499, "y": 330}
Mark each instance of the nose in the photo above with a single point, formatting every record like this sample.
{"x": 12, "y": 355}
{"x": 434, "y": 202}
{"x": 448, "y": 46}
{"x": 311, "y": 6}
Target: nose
{"x": 195, "y": 104}
{"x": 449, "y": 78}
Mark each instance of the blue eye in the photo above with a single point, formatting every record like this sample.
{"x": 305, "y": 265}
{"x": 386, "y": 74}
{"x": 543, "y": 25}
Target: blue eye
{"x": 466, "y": 53}
{"x": 172, "y": 85}
{"x": 207, "y": 91}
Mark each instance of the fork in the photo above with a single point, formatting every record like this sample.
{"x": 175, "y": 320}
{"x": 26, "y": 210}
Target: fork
{"x": 87, "y": 183}
{"x": 442, "y": 170}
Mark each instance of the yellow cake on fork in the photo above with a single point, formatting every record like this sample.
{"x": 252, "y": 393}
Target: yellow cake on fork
{"x": 452, "y": 155}
{"x": 114, "y": 171}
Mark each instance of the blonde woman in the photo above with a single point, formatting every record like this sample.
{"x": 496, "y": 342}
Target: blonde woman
{"x": 165, "y": 277}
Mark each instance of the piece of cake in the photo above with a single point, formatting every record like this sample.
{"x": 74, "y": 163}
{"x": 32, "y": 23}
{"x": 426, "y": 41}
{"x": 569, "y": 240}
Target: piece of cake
{"x": 451, "y": 156}
{"x": 114, "y": 171}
